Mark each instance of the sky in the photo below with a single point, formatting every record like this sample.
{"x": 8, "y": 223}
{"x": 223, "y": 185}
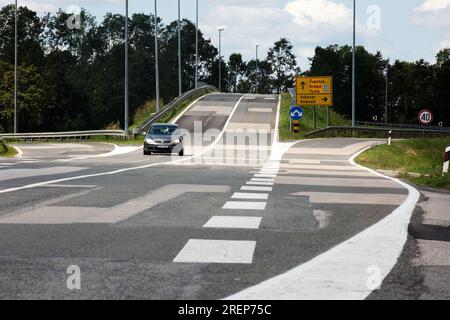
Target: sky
{"x": 401, "y": 29}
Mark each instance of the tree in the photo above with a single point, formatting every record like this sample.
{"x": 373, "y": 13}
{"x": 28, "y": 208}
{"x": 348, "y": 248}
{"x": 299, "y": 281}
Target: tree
{"x": 236, "y": 69}
{"x": 284, "y": 65}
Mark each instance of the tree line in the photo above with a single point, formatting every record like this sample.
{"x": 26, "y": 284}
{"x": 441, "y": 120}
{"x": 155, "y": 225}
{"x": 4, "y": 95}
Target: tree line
{"x": 73, "y": 78}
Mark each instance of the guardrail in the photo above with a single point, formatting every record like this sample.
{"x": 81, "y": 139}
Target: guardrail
{"x": 63, "y": 136}
{"x": 401, "y": 126}
{"x": 396, "y": 133}
{"x": 166, "y": 109}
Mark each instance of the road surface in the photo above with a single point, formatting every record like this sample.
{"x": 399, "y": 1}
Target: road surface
{"x": 226, "y": 220}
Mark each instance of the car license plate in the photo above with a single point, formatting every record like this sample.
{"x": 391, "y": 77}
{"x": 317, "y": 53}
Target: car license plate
{"x": 163, "y": 147}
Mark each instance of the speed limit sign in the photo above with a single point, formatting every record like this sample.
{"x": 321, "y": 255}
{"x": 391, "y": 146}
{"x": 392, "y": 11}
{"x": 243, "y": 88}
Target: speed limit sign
{"x": 425, "y": 117}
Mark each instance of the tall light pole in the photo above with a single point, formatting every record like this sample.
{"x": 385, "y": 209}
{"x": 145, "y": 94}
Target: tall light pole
{"x": 156, "y": 57}
{"x": 220, "y": 58}
{"x": 196, "y": 43}
{"x": 386, "y": 95}
{"x": 16, "y": 127}
{"x": 257, "y": 69}
{"x": 126, "y": 70}
{"x": 180, "y": 80}
{"x": 354, "y": 67}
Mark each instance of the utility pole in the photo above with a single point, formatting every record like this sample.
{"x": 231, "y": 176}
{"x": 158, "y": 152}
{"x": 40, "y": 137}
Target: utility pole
{"x": 220, "y": 58}
{"x": 257, "y": 70}
{"x": 180, "y": 71}
{"x": 156, "y": 57}
{"x": 354, "y": 67}
{"x": 196, "y": 44}
{"x": 126, "y": 71}
{"x": 16, "y": 126}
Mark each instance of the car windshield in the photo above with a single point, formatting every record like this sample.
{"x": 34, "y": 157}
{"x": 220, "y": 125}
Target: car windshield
{"x": 163, "y": 130}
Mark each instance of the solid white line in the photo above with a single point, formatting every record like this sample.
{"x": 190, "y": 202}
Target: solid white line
{"x": 19, "y": 152}
{"x": 189, "y": 107}
{"x": 345, "y": 271}
{"x": 216, "y": 251}
{"x": 227, "y": 222}
{"x": 264, "y": 189}
{"x": 247, "y": 205}
{"x": 250, "y": 196}
{"x": 39, "y": 184}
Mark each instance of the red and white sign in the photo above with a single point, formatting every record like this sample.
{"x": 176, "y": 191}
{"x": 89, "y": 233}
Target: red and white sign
{"x": 425, "y": 117}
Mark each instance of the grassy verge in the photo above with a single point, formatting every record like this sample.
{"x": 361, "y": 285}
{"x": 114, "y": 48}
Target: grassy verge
{"x": 7, "y": 151}
{"x": 419, "y": 156}
{"x": 307, "y": 123}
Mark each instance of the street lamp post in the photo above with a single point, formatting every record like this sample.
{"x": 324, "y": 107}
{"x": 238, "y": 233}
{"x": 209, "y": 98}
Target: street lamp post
{"x": 126, "y": 70}
{"x": 386, "y": 96}
{"x": 156, "y": 57}
{"x": 257, "y": 69}
{"x": 16, "y": 127}
{"x": 180, "y": 80}
{"x": 196, "y": 44}
{"x": 354, "y": 66}
{"x": 220, "y": 58}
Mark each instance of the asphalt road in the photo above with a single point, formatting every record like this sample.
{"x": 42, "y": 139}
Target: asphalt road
{"x": 234, "y": 212}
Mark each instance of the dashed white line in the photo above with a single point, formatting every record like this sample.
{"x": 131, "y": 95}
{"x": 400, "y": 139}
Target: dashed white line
{"x": 217, "y": 251}
{"x": 265, "y": 189}
{"x": 250, "y": 196}
{"x": 229, "y": 222}
{"x": 244, "y": 205}
{"x": 260, "y": 183}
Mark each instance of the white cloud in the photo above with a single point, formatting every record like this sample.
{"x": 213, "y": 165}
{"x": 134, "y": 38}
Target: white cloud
{"x": 319, "y": 12}
{"x": 433, "y": 5}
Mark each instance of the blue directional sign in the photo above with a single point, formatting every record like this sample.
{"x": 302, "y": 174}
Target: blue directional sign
{"x": 296, "y": 113}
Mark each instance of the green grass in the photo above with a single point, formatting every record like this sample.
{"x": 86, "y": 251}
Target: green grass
{"x": 422, "y": 156}
{"x": 7, "y": 151}
{"x": 307, "y": 123}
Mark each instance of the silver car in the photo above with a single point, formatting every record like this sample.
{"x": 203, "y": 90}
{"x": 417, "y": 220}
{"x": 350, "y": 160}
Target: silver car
{"x": 164, "y": 138}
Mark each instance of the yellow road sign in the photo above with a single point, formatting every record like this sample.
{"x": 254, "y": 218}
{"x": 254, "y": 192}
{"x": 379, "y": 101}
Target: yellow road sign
{"x": 314, "y": 91}
{"x": 311, "y": 100}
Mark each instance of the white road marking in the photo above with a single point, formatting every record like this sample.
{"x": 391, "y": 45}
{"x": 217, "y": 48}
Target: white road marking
{"x": 343, "y": 272}
{"x": 321, "y": 167}
{"x": 217, "y": 251}
{"x": 262, "y": 110}
{"x": 8, "y": 164}
{"x": 265, "y": 176}
{"x": 118, "y": 150}
{"x": 228, "y": 222}
{"x": 262, "y": 180}
{"x": 53, "y": 214}
{"x": 253, "y": 183}
{"x": 353, "y": 198}
{"x": 270, "y": 98}
{"x": 327, "y": 173}
{"x": 244, "y": 205}
{"x": 69, "y": 186}
{"x": 188, "y": 108}
{"x": 250, "y": 196}
{"x": 26, "y": 173}
{"x": 338, "y": 182}
{"x": 263, "y": 189}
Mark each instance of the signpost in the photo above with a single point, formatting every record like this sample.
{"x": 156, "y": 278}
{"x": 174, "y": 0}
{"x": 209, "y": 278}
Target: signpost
{"x": 425, "y": 117}
{"x": 296, "y": 115}
{"x": 314, "y": 92}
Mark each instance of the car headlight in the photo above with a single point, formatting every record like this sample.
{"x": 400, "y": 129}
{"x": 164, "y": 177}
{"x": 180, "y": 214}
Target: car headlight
{"x": 176, "y": 141}
{"x": 149, "y": 141}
